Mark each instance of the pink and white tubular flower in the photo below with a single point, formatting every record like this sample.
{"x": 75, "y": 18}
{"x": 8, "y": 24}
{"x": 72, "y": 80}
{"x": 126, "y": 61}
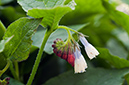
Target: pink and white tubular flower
{"x": 79, "y": 64}
{"x": 90, "y": 50}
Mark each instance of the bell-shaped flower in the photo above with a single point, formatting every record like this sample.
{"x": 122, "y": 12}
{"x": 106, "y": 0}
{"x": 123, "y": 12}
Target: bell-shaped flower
{"x": 90, "y": 50}
{"x": 79, "y": 64}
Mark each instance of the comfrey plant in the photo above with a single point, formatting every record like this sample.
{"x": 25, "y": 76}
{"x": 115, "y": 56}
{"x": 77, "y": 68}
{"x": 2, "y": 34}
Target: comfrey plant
{"x": 21, "y": 39}
{"x": 16, "y": 41}
{"x": 70, "y": 51}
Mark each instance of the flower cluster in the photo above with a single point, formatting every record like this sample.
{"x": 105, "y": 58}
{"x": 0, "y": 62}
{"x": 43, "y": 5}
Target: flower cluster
{"x": 65, "y": 51}
{"x": 70, "y": 52}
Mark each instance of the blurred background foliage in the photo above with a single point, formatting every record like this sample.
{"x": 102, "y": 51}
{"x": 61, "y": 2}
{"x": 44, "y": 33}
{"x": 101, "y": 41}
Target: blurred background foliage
{"x": 108, "y": 30}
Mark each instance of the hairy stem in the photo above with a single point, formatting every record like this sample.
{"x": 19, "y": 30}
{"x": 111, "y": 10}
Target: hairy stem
{"x": 39, "y": 56}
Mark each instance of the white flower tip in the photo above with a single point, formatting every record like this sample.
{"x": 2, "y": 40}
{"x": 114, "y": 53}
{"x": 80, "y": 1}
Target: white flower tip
{"x": 91, "y": 51}
{"x": 80, "y": 65}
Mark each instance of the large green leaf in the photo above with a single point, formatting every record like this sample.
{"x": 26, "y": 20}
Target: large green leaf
{"x": 18, "y": 47}
{"x": 51, "y": 11}
{"x": 60, "y": 33}
{"x": 51, "y": 16}
{"x": 113, "y": 60}
{"x": 93, "y": 76}
{"x": 119, "y": 17}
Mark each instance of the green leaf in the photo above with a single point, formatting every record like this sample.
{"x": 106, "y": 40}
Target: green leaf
{"x": 113, "y": 60}
{"x": 18, "y": 47}
{"x": 3, "y": 42}
{"x": 93, "y": 76}
{"x": 59, "y": 33}
{"x": 119, "y": 17}
{"x": 51, "y": 16}
{"x": 2, "y": 30}
{"x": 51, "y": 11}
